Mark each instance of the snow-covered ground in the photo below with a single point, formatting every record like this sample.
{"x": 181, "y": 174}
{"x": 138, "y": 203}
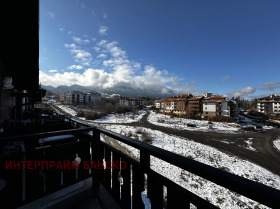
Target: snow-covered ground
{"x": 249, "y": 144}
{"x": 68, "y": 109}
{"x": 181, "y": 123}
{"x": 122, "y": 118}
{"x": 249, "y": 122}
{"x": 207, "y": 155}
{"x": 276, "y": 144}
{"x": 110, "y": 118}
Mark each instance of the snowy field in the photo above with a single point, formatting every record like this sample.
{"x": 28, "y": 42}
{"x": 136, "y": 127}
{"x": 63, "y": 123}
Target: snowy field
{"x": 181, "y": 123}
{"x": 276, "y": 144}
{"x": 110, "y": 118}
{"x": 217, "y": 195}
{"x": 68, "y": 109}
{"x": 122, "y": 118}
{"x": 247, "y": 122}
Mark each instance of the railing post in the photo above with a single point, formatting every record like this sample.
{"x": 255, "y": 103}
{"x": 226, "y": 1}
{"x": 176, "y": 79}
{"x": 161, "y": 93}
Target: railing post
{"x": 144, "y": 159}
{"x": 96, "y": 157}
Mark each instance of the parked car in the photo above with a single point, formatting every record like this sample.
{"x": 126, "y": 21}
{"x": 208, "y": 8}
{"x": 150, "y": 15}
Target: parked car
{"x": 191, "y": 125}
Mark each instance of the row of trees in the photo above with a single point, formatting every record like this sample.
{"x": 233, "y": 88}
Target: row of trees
{"x": 101, "y": 108}
{"x": 246, "y": 104}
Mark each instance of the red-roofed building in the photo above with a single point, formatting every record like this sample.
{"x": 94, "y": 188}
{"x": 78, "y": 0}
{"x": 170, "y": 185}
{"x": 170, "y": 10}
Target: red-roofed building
{"x": 216, "y": 106}
{"x": 194, "y": 106}
{"x": 175, "y": 104}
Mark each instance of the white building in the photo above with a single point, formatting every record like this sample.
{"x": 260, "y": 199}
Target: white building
{"x": 132, "y": 102}
{"x": 269, "y": 104}
{"x": 215, "y": 106}
{"x": 159, "y": 104}
{"x": 77, "y": 97}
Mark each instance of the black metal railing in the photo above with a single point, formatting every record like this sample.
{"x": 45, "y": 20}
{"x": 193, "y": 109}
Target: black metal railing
{"x": 125, "y": 185}
{"x": 23, "y": 182}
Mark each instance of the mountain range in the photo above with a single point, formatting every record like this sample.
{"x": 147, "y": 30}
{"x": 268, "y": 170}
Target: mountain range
{"x": 121, "y": 90}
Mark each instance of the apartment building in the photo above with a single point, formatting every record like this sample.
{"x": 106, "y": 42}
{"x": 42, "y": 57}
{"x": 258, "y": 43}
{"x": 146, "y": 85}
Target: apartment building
{"x": 132, "y": 102}
{"x": 176, "y": 104}
{"x": 269, "y": 104}
{"x": 61, "y": 96}
{"x": 215, "y": 106}
{"x": 205, "y": 106}
{"x": 233, "y": 107}
{"x": 194, "y": 106}
{"x": 158, "y": 103}
{"x": 91, "y": 97}
{"x": 77, "y": 97}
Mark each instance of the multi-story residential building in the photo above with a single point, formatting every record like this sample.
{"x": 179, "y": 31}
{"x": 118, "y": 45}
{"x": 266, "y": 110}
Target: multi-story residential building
{"x": 215, "y": 106}
{"x": 269, "y": 104}
{"x": 206, "y": 106}
{"x": 132, "y": 102}
{"x": 61, "y": 96}
{"x": 194, "y": 106}
{"x": 77, "y": 97}
{"x": 91, "y": 97}
{"x": 180, "y": 106}
{"x": 233, "y": 106}
{"x": 168, "y": 105}
{"x": 158, "y": 103}
{"x": 176, "y": 104}
{"x": 68, "y": 98}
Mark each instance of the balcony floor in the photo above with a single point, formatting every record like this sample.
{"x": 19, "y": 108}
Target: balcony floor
{"x": 77, "y": 196}
{"x": 84, "y": 200}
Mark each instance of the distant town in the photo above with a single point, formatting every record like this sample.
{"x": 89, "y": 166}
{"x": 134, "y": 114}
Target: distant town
{"x": 207, "y": 106}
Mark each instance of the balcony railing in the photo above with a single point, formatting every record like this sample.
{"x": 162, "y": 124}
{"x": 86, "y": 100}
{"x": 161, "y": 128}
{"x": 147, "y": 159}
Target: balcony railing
{"x": 125, "y": 185}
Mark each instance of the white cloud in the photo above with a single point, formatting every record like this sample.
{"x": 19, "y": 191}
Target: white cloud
{"x": 51, "y": 15}
{"x": 75, "y": 67}
{"x": 70, "y": 46}
{"x": 61, "y": 29}
{"x": 120, "y": 71}
{"x": 80, "y": 41}
{"x": 114, "y": 50}
{"x": 103, "y": 30}
{"x": 242, "y": 92}
{"x": 123, "y": 75}
{"x": 224, "y": 79}
{"x": 101, "y": 43}
{"x": 115, "y": 62}
{"x": 52, "y": 71}
{"x": 81, "y": 56}
{"x": 102, "y": 56}
{"x": 83, "y": 5}
{"x": 271, "y": 85}
{"x": 111, "y": 48}
{"x": 97, "y": 49}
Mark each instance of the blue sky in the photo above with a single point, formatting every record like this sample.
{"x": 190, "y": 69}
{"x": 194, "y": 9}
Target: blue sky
{"x": 228, "y": 47}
